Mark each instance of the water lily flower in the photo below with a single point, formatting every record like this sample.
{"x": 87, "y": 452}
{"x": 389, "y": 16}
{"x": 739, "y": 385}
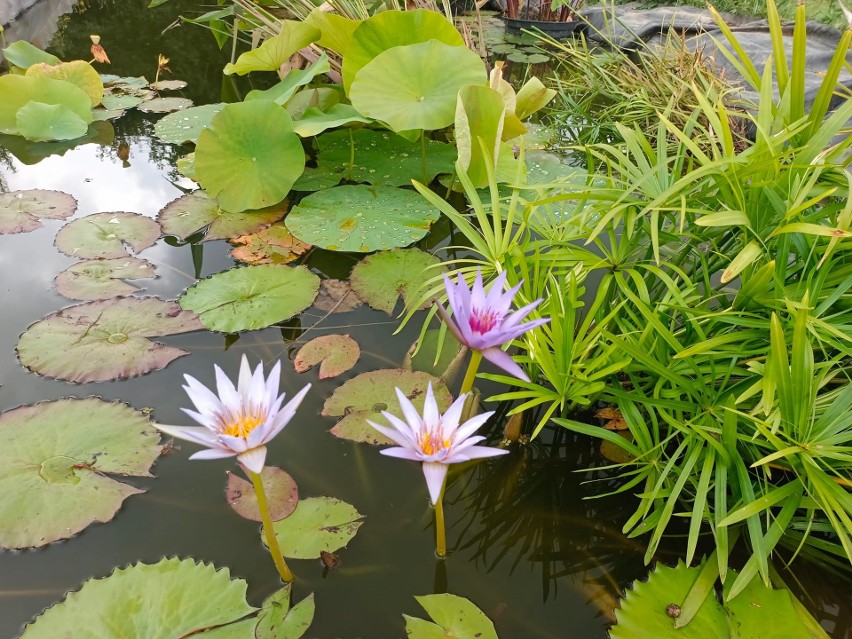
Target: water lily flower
{"x": 482, "y": 321}
{"x": 240, "y": 420}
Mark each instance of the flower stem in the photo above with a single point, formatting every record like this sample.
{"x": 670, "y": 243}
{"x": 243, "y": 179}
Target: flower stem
{"x": 440, "y": 529}
{"x": 271, "y": 539}
{"x": 470, "y": 375}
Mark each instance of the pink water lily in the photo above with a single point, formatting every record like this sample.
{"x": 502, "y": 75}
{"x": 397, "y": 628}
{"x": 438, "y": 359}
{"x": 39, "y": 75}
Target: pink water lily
{"x": 240, "y": 420}
{"x": 483, "y": 322}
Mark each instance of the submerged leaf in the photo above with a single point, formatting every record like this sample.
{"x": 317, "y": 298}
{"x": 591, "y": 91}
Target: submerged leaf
{"x": 104, "y": 235}
{"x": 338, "y": 354}
{"x": 381, "y": 279}
{"x": 281, "y": 490}
{"x": 100, "y": 279}
{"x": 195, "y": 211}
{"x": 336, "y": 296}
{"x": 317, "y": 524}
{"x": 20, "y": 210}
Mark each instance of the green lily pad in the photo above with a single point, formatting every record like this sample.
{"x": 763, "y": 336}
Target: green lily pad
{"x": 103, "y": 114}
{"x": 23, "y": 55}
{"x": 336, "y": 296}
{"x": 544, "y": 167}
{"x": 382, "y": 158}
{"x": 277, "y": 620}
{"x": 186, "y": 125}
{"x": 281, "y": 490}
{"x": 100, "y": 279}
{"x": 275, "y": 51}
{"x": 125, "y": 83}
{"x": 165, "y": 105}
{"x": 273, "y": 245}
{"x": 336, "y": 354}
{"x": 41, "y": 122}
{"x": 172, "y": 598}
{"x": 251, "y": 297}
{"x": 55, "y": 464}
{"x": 105, "y": 340}
{"x": 114, "y": 102}
{"x": 18, "y": 90}
{"x": 105, "y": 235}
{"x": 365, "y": 396}
{"x": 361, "y": 219}
{"x": 381, "y": 279}
{"x": 249, "y": 156}
{"x": 78, "y": 72}
{"x": 313, "y": 121}
{"x": 168, "y": 85}
{"x": 20, "y": 210}
{"x": 759, "y": 612}
{"x": 453, "y": 616}
{"x": 317, "y": 524}
{"x": 195, "y": 211}
{"x": 387, "y": 90}
{"x": 317, "y": 179}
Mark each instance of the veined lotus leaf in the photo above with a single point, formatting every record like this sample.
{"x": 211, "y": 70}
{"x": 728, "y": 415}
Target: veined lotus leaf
{"x": 386, "y": 89}
{"x": 531, "y": 97}
{"x": 317, "y": 179}
{"x": 251, "y": 297}
{"x": 273, "y": 245}
{"x": 275, "y": 51}
{"x": 55, "y": 464}
{"x": 336, "y": 30}
{"x": 382, "y": 157}
{"x": 361, "y": 219}
{"x": 104, "y": 235}
{"x": 480, "y": 113}
{"x": 336, "y": 296}
{"x": 114, "y": 102}
{"x": 195, "y": 211}
{"x": 389, "y": 29}
{"x": 249, "y": 156}
{"x": 172, "y": 598}
{"x": 41, "y": 122}
{"x": 17, "y": 90}
{"x": 186, "y": 125}
{"x": 105, "y": 340}
{"x": 165, "y": 105}
{"x": 453, "y": 616}
{"x": 317, "y": 524}
{"x": 313, "y": 121}
{"x": 20, "y": 210}
{"x": 381, "y": 279}
{"x": 277, "y": 620}
{"x": 291, "y": 83}
{"x": 78, "y": 72}
{"x": 759, "y": 612}
{"x": 281, "y": 490}
{"x": 338, "y": 354}
{"x": 22, "y": 54}
{"x": 100, "y": 279}
{"x": 365, "y": 396}
{"x": 322, "y": 98}
{"x": 168, "y": 85}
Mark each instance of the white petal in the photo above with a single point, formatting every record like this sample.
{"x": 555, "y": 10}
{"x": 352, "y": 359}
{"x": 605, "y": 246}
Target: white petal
{"x": 272, "y": 385}
{"x": 476, "y": 452}
{"x": 195, "y": 434}
{"x": 286, "y": 414}
{"x": 401, "y": 453}
{"x": 451, "y": 418}
{"x": 393, "y": 435}
{"x": 236, "y": 444}
{"x": 435, "y": 474}
{"x": 253, "y": 459}
{"x": 204, "y": 399}
{"x": 212, "y": 453}
{"x": 228, "y": 395}
{"x": 471, "y": 426}
{"x": 206, "y": 420}
{"x": 402, "y": 428}
{"x": 244, "y": 380}
{"x": 431, "y": 414}
{"x": 412, "y": 417}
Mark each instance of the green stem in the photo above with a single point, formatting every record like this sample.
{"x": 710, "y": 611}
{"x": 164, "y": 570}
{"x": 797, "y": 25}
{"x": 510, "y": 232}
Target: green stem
{"x": 271, "y": 539}
{"x": 440, "y": 529}
{"x": 423, "y": 155}
{"x": 470, "y": 375}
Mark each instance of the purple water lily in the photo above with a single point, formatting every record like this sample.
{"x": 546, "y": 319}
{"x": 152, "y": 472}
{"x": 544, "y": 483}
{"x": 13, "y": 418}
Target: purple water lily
{"x": 482, "y": 321}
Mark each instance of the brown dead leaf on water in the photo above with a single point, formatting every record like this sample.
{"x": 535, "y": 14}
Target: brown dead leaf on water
{"x": 615, "y": 420}
{"x": 273, "y": 245}
{"x": 337, "y": 296}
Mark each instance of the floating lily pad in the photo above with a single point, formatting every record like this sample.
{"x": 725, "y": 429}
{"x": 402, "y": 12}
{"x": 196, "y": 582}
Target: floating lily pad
{"x": 759, "y": 612}
{"x": 41, "y": 122}
{"x": 337, "y": 354}
{"x": 277, "y": 620}
{"x": 361, "y": 219}
{"x": 105, "y": 340}
{"x": 103, "y": 114}
{"x": 78, "y": 72}
{"x": 317, "y": 524}
{"x": 172, "y": 598}
{"x": 317, "y": 179}
{"x": 453, "y": 616}
{"x": 114, "y": 102}
{"x": 273, "y": 245}
{"x": 165, "y": 105}
{"x": 186, "y": 125}
{"x": 125, "y": 83}
{"x": 382, "y": 157}
{"x": 528, "y": 58}
{"x": 168, "y": 85}
{"x": 105, "y": 235}
{"x": 251, "y": 297}
{"x": 195, "y": 211}
{"x": 20, "y": 210}
{"x": 55, "y": 464}
{"x": 367, "y": 395}
{"x": 281, "y": 490}
{"x": 100, "y": 279}
{"x": 336, "y": 296}
{"x": 381, "y": 279}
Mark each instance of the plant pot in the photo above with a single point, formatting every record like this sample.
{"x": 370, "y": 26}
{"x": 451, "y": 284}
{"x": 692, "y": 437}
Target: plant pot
{"x": 555, "y": 30}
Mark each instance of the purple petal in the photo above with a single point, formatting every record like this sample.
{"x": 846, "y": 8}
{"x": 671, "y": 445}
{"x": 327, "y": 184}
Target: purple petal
{"x": 497, "y": 298}
{"x": 500, "y": 358}
{"x": 435, "y": 473}
{"x": 451, "y": 324}
{"x": 514, "y": 332}
{"x": 515, "y": 318}
{"x": 212, "y": 453}
{"x": 253, "y": 459}
{"x": 401, "y": 453}
{"x": 478, "y": 299}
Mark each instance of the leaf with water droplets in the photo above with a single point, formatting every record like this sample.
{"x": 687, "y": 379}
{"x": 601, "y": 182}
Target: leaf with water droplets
{"x": 104, "y": 235}
{"x": 165, "y": 105}
{"x": 100, "y": 279}
{"x": 195, "y": 211}
{"x": 168, "y": 85}
{"x": 381, "y": 279}
{"x": 336, "y": 354}
{"x": 20, "y": 210}
{"x": 186, "y": 125}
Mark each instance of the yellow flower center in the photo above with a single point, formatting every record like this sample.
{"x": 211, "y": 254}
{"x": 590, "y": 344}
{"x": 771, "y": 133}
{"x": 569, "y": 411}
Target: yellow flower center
{"x": 430, "y": 443}
{"x": 240, "y": 425}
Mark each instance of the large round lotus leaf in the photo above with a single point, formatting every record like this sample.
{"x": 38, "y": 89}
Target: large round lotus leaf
{"x": 251, "y": 297}
{"x": 55, "y": 463}
{"x": 172, "y": 598}
{"x": 361, "y": 219}
{"x": 387, "y": 90}
{"x": 186, "y": 125}
{"x": 389, "y": 29}
{"x": 273, "y": 245}
{"x": 282, "y": 494}
{"x": 335, "y": 354}
{"x": 20, "y": 210}
{"x": 165, "y": 105}
{"x": 454, "y": 616}
{"x": 249, "y": 156}
{"x": 22, "y": 54}
{"x": 194, "y": 211}
{"x": 78, "y": 72}
{"x": 41, "y": 122}
{"x": 381, "y": 279}
{"x": 275, "y": 51}
{"x": 382, "y": 157}
{"x": 105, "y": 340}
{"x": 317, "y": 524}
{"x": 18, "y": 90}
{"x": 100, "y": 279}
{"x": 104, "y": 235}
{"x": 317, "y": 179}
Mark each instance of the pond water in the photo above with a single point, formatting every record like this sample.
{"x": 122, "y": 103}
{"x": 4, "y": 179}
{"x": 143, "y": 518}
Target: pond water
{"x": 525, "y": 546}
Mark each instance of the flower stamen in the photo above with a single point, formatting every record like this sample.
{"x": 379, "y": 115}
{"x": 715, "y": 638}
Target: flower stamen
{"x": 483, "y": 321}
{"x": 240, "y": 425}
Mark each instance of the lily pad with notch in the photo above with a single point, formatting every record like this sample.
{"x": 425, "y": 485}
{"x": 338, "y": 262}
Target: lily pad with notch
{"x": 453, "y": 616}
{"x": 20, "y": 210}
{"x": 335, "y": 354}
{"x": 317, "y": 524}
{"x": 277, "y": 620}
{"x": 281, "y": 490}
{"x": 272, "y": 245}
{"x": 106, "y": 235}
{"x": 382, "y": 278}
{"x": 101, "y": 279}
{"x": 196, "y": 211}
{"x": 186, "y": 125}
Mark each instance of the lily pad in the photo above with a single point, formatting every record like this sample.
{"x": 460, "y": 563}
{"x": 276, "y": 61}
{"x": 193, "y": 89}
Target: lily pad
{"x": 317, "y": 179}
{"x": 78, "y": 72}
{"x": 361, "y": 219}
{"x": 105, "y": 235}
{"x": 251, "y": 297}
{"x": 336, "y": 296}
{"x": 18, "y": 90}
{"x": 165, "y": 105}
{"x": 277, "y": 620}
{"x": 195, "y": 211}
{"x": 453, "y": 616}
{"x": 759, "y": 612}
{"x": 23, "y": 55}
{"x": 115, "y": 102}
{"x": 337, "y": 354}
{"x": 168, "y": 85}
{"x": 275, "y": 51}
{"x": 281, "y": 490}
{"x": 105, "y": 340}
{"x": 41, "y": 122}
{"x": 249, "y": 156}
{"x": 55, "y": 464}
{"x": 100, "y": 279}
{"x": 186, "y": 125}
{"x": 20, "y": 210}
{"x": 125, "y": 83}
{"x": 317, "y": 524}
{"x": 381, "y": 279}
{"x": 172, "y": 598}
{"x": 382, "y": 158}
{"x": 273, "y": 245}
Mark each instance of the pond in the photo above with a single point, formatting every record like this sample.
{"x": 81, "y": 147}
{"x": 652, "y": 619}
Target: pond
{"x": 525, "y": 543}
